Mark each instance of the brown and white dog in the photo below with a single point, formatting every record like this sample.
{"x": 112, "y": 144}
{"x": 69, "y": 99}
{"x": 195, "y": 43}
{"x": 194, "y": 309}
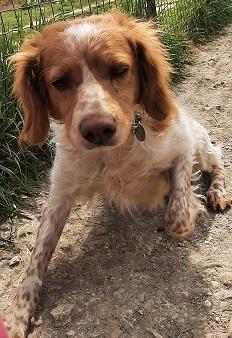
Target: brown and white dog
{"x": 105, "y": 79}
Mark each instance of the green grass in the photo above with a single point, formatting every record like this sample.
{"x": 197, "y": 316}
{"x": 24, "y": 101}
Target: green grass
{"x": 196, "y": 20}
{"x": 21, "y": 167}
{"x": 191, "y": 20}
{"x": 36, "y": 15}
{"x": 180, "y": 55}
{"x": 208, "y": 17}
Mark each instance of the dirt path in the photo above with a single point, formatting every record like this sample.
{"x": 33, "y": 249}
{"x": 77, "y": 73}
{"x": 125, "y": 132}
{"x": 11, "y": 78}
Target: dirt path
{"x": 116, "y": 277}
{"x": 7, "y": 4}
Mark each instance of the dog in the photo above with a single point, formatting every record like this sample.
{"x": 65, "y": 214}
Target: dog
{"x": 105, "y": 81}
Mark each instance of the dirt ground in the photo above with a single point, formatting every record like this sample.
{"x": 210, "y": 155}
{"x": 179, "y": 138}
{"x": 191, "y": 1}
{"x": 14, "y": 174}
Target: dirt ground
{"x": 117, "y": 277}
{"x": 8, "y": 4}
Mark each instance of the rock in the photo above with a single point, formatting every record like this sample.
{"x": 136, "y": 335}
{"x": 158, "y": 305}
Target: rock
{"x": 217, "y": 84}
{"x": 226, "y": 278}
{"x": 141, "y": 296}
{"x": 70, "y": 333}
{"x": 38, "y": 322}
{"x": 140, "y": 311}
{"x": 215, "y": 284}
{"x": 208, "y": 108}
{"x": 211, "y": 62}
{"x": 126, "y": 324}
{"x": 14, "y": 261}
{"x": 207, "y": 303}
{"x": 62, "y": 310}
{"x": 116, "y": 332}
{"x": 25, "y": 230}
{"x": 217, "y": 319}
{"x": 223, "y": 295}
{"x": 154, "y": 333}
{"x": 30, "y": 246}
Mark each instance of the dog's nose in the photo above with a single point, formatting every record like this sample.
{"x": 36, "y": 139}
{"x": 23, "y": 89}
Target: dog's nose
{"x": 98, "y": 129}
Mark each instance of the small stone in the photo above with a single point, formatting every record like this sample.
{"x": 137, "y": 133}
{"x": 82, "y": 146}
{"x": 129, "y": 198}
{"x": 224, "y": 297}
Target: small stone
{"x": 226, "y": 278}
{"x": 25, "y": 231}
{"x": 215, "y": 284}
{"x": 38, "y": 322}
{"x": 62, "y": 310}
{"x": 140, "y": 311}
{"x": 225, "y": 294}
{"x": 14, "y": 261}
{"x": 217, "y": 84}
{"x": 30, "y": 246}
{"x": 70, "y": 333}
{"x": 211, "y": 62}
{"x": 126, "y": 324}
{"x": 154, "y": 333}
{"x": 217, "y": 319}
{"x": 116, "y": 332}
{"x": 207, "y": 303}
{"x": 208, "y": 108}
{"x": 141, "y": 296}
{"x": 186, "y": 293}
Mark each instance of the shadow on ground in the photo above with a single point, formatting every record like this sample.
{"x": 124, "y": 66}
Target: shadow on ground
{"x": 127, "y": 280}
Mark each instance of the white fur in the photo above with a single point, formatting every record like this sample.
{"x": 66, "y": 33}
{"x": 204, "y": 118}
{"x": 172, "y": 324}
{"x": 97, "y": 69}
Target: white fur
{"x": 87, "y": 172}
{"x": 80, "y": 33}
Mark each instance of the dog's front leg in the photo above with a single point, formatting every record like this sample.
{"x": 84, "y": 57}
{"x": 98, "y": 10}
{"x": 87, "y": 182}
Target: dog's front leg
{"x": 49, "y": 231}
{"x": 183, "y": 206}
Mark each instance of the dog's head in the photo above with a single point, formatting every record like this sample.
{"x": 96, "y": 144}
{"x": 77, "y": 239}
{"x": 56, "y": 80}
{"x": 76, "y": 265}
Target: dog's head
{"x": 90, "y": 74}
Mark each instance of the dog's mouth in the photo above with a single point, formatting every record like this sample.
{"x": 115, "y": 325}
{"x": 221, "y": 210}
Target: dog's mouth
{"x": 100, "y": 145}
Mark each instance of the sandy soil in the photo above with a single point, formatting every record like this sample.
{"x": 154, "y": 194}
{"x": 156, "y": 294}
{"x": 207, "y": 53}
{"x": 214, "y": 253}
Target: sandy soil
{"x": 117, "y": 277}
{"x": 8, "y": 5}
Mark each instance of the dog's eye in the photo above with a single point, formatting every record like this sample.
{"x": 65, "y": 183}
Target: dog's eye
{"x": 62, "y": 83}
{"x": 118, "y": 71}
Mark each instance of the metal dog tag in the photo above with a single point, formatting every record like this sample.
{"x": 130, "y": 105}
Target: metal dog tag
{"x": 140, "y": 132}
{"x": 138, "y": 129}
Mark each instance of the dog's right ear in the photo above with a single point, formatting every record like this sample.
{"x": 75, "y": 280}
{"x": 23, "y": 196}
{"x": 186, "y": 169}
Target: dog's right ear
{"x": 30, "y": 88}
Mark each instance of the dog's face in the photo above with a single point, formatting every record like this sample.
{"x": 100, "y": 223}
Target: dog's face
{"x": 92, "y": 84}
{"x": 90, "y": 74}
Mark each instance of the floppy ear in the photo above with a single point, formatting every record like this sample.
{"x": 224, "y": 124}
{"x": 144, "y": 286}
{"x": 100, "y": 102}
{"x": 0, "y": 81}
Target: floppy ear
{"x": 30, "y": 89}
{"x": 153, "y": 72}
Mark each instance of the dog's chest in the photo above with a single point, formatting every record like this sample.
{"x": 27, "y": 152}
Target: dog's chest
{"x": 129, "y": 181}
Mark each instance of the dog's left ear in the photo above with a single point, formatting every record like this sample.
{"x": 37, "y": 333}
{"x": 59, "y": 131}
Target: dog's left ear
{"x": 154, "y": 70}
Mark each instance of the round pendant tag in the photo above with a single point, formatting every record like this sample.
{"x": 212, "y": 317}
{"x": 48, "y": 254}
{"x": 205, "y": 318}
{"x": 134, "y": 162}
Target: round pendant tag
{"x": 140, "y": 132}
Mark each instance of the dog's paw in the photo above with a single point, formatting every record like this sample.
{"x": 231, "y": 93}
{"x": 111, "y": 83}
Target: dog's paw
{"x": 218, "y": 199}
{"x": 16, "y": 328}
{"x": 16, "y": 332}
{"x": 179, "y": 230}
